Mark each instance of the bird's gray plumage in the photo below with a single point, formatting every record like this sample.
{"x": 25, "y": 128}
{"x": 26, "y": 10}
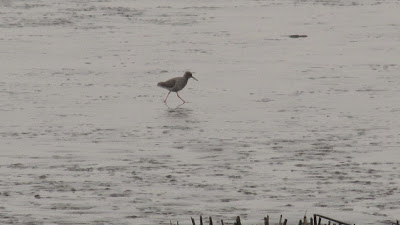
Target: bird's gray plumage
{"x": 175, "y": 84}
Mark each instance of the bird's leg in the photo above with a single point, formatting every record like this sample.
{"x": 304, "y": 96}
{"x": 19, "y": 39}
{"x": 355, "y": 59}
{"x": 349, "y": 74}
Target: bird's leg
{"x": 165, "y": 101}
{"x": 180, "y": 97}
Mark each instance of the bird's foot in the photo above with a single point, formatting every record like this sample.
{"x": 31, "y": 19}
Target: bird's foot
{"x": 179, "y": 106}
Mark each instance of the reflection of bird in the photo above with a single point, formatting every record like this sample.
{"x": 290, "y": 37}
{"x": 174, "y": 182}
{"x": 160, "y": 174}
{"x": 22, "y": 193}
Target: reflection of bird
{"x": 176, "y": 84}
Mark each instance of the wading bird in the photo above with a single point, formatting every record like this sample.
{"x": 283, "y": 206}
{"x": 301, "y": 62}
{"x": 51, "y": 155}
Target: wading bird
{"x": 176, "y": 84}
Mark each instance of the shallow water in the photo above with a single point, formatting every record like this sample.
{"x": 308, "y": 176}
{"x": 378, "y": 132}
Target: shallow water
{"x": 275, "y": 125}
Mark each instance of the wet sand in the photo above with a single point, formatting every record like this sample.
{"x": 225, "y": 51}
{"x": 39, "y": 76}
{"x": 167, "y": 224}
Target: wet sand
{"x": 275, "y": 125}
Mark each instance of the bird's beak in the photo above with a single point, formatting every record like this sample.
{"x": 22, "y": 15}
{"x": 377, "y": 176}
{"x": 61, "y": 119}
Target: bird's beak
{"x": 194, "y": 78}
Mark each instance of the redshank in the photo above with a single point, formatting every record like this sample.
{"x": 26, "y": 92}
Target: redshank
{"x": 176, "y": 84}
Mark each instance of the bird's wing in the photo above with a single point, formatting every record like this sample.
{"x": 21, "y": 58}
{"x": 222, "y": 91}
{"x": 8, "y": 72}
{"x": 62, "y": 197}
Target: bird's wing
{"x": 168, "y": 84}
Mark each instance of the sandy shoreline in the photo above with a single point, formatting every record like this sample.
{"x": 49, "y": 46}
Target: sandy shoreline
{"x": 275, "y": 125}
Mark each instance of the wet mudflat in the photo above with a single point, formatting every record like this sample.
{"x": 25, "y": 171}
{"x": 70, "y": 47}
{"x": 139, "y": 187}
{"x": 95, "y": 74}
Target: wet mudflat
{"x": 275, "y": 125}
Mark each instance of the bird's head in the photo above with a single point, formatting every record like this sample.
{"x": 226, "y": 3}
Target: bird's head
{"x": 189, "y": 75}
